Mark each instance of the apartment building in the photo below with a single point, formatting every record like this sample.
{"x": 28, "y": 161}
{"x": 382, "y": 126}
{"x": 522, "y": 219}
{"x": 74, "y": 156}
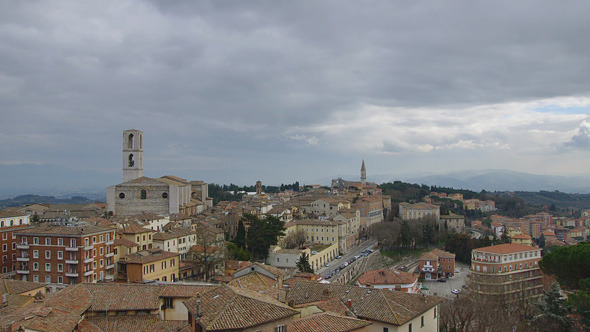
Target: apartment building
{"x": 9, "y": 223}
{"x": 390, "y": 279}
{"x": 437, "y": 264}
{"x": 178, "y": 240}
{"x": 328, "y": 206}
{"x": 153, "y": 264}
{"x": 409, "y": 211}
{"x": 62, "y": 255}
{"x": 371, "y": 208}
{"x": 140, "y": 235}
{"x": 506, "y": 272}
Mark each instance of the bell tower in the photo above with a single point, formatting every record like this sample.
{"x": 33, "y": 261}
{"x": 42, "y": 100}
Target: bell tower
{"x": 132, "y": 155}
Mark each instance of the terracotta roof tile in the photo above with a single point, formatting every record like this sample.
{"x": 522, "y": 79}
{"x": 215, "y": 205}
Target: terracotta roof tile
{"x": 225, "y": 308}
{"x": 145, "y": 323}
{"x": 150, "y": 255}
{"x": 327, "y": 322}
{"x": 387, "y": 277}
{"x": 16, "y": 287}
{"x": 506, "y": 248}
{"x": 124, "y": 242}
{"x": 372, "y": 304}
{"x": 46, "y": 229}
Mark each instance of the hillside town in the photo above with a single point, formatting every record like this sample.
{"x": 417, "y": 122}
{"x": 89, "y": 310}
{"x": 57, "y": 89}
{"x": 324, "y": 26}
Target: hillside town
{"x": 161, "y": 255}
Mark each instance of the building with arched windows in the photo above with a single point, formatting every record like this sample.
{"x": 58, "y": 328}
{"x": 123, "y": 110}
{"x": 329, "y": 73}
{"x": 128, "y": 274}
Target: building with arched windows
{"x": 163, "y": 196}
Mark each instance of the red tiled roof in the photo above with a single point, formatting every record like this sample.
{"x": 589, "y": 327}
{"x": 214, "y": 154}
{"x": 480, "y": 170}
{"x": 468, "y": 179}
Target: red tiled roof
{"x": 225, "y": 308}
{"x": 144, "y": 323}
{"x": 387, "y": 277}
{"x": 372, "y": 304}
{"x": 147, "y": 256}
{"x": 506, "y": 248}
{"x": 327, "y": 322}
{"x": 124, "y": 242}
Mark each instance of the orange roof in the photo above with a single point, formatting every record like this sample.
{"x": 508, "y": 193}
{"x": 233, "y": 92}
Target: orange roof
{"x": 521, "y": 236}
{"x": 387, "y": 277}
{"x": 507, "y": 248}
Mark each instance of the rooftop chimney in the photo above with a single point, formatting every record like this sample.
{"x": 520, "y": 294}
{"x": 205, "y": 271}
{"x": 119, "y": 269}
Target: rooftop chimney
{"x": 199, "y": 312}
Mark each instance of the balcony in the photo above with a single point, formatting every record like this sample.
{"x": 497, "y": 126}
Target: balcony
{"x": 88, "y": 273}
{"x": 22, "y": 259}
{"x": 72, "y": 274}
{"x": 88, "y": 260}
{"x": 71, "y": 261}
{"x": 22, "y": 271}
{"x": 90, "y": 247}
{"x": 110, "y": 254}
{"x": 71, "y": 248}
{"x": 428, "y": 269}
{"x": 108, "y": 243}
{"x": 109, "y": 277}
{"x": 22, "y": 246}
{"x": 108, "y": 267}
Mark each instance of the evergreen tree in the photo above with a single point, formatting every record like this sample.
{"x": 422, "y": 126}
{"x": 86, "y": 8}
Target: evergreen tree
{"x": 580, "y": 302}
{"x": 262, "y": 233}
{"x": 553, "y": 313}
{"x": 406, "y": 234}
{"x": 542, "y": 241}
{"x": 240, "y": 239}
{"x": 303, "y": 263}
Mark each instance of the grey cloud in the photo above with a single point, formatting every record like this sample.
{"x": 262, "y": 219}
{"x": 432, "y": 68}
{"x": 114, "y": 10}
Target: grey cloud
{"x": 581, "y": 139}
{"x": 228, "y": 80}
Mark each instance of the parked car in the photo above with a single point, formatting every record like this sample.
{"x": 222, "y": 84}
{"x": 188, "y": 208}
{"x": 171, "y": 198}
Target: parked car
{"x": 456, "y": 270}
{"x": 338, "y": 257}
{"x": 456, "y": 291}
{"x": 314, "y": 252}
{"x": 442, "y": 280}
{"x": 425, "y": 287}
{"x": 327, "y": 264}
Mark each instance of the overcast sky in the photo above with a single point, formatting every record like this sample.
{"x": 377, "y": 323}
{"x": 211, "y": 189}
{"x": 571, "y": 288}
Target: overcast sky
{"x": 282, "y": 91}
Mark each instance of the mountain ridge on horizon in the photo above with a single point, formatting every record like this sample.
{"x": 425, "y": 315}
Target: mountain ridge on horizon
{"x": 60, "y": 181}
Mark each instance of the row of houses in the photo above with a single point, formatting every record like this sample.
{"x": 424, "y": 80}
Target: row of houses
{"x": 252, "y": 299}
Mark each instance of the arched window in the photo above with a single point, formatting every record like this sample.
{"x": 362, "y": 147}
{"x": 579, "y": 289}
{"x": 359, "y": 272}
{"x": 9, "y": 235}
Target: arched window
{"x": 2, "y": 224}
{"x": 130, "y": 142}
{"x": 131, "y": 161}
{"x": 143, "y": 194}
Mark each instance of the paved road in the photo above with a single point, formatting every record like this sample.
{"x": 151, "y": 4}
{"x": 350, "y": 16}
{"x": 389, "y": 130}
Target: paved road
{"x": 337, "y": 262}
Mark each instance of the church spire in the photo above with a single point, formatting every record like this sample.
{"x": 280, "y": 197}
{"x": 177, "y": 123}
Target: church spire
{"x": 363, "y": 174}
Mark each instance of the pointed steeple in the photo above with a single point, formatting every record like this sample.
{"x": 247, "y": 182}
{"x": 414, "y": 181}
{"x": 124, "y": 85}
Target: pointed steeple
{"x": 363, "y": 174}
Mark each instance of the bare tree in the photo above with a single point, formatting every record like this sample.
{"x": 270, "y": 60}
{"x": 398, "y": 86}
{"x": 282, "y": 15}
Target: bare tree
{"x": 294, "y": 240}
{"x": 208, "y": 253}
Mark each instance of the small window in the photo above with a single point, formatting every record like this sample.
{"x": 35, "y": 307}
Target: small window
{"x": 121, "y": 195}
{"x": 165, "y": 195}
{"x": 143, "y": 194}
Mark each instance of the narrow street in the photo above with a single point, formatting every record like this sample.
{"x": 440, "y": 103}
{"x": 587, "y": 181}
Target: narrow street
{"x": 368, "y": 244}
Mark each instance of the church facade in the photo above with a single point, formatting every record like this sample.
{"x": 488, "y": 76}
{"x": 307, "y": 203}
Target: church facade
{"x": 163, "y": 196}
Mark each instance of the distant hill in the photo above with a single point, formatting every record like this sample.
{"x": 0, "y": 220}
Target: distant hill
{"x": 32, "y": 199}
{"x": 503, "y": 180}
{"x": 476, "y": 180}
{"x": 53, "y": 180}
